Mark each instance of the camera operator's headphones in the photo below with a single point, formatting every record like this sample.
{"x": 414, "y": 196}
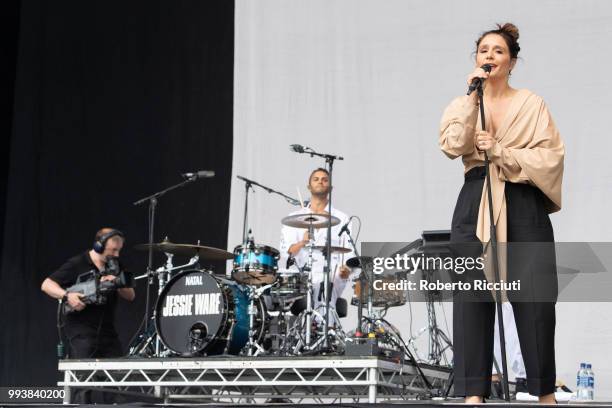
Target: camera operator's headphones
{"x": 100, "y": 244}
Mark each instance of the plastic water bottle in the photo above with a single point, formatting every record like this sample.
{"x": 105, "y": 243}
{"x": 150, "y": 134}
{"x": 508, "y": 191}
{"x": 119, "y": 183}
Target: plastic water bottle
{"x": 590, "y": 383}
{"x": 581, "y": 383}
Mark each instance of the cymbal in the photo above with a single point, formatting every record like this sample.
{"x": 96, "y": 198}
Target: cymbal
{"x": 204, "y": 252}
{"x": 306, "y": 220}
{"x": 359, "y": 261}
{"x": 338, "y": 249}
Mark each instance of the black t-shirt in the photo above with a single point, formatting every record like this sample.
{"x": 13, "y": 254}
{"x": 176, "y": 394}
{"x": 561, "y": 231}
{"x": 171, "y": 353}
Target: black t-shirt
{"x": 96, "y": 319}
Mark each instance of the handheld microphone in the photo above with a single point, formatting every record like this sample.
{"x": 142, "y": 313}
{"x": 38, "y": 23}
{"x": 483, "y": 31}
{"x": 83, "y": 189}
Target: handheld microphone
{"x": 199, "y": 174}
{"x": 477, "y": 82}
{"x": 296, "y": 148}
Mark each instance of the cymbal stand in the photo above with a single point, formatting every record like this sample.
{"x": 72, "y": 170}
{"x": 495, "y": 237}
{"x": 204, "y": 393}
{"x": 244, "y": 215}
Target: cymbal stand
{"x": 335, "y": 332}
{"x": 253, "y": 347}
{"x": 309, "y": 309}
{"x": 193, "y": 261}
{"x": 149, "y": 336}
{"x": 162, "y": 279}
{"x": 153, "y": 201}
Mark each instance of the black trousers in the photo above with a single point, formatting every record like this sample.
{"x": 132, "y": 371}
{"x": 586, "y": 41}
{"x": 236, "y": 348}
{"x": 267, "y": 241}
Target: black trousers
{"x": 84, "y": 343}
{"x": 88, "y": 343}
{"x": 533, "y": 262}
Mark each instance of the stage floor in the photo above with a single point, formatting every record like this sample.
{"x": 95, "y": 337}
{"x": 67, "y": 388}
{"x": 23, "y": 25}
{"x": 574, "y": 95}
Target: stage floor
{"x": 411, "y": 404}
{"x": 255, "y": 381}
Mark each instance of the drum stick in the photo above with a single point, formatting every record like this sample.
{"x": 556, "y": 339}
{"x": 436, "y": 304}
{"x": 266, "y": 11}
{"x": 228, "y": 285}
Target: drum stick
{"x": 300, "y": 196}
{"x": 334, "y": 275}
{"x": 339, "y": 265}
{"x": 342, "y": 257}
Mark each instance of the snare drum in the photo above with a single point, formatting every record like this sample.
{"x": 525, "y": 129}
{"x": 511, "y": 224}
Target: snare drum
{"x": 290, "y": 284}
{"x": 255, "y": 265}
{"x": 383, "y": 297}
{"x": 200, "y": 314}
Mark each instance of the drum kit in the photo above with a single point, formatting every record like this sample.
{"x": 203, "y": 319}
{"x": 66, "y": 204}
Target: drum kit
{"x": 258, "y": 310}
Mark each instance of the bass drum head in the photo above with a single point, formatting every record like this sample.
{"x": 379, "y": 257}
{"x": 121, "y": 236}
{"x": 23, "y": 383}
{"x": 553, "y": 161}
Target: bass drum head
{"x": 191, "y": 312}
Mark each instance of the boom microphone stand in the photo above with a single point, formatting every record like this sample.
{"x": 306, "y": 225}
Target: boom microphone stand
{"x": 248, "y": 185}
{"x": 493, "y": 240}
{"x": 329, "y": 159}
{"x": 289, "y": 199}
{"x": 152, "y": 200}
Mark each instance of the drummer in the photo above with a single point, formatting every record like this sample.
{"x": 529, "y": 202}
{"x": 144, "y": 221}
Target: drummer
{"x": 294, "y": 240}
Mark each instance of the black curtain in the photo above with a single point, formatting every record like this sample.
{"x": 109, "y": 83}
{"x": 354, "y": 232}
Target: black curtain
{"x": 9, "y": 58}
{"x": 113, "y": 100}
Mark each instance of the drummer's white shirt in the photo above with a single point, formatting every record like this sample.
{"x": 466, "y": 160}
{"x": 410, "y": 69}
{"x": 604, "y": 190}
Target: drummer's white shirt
{"x": 291, "y": 235}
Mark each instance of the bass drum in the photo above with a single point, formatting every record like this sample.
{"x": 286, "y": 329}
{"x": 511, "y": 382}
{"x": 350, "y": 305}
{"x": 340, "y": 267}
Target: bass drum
{"x": 200, "y": 314}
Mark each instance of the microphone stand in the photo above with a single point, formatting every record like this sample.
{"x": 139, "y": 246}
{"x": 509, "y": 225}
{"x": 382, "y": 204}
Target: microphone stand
{"x": 493, "y": 239}
{"x": 329, "y": 159}
{"x": 152, "y": 200}
{"x": 289, "y": 199}
{"x": 363, "y": 272}
{"x": 248, "y": 185}
{"x": 330, "y": 162}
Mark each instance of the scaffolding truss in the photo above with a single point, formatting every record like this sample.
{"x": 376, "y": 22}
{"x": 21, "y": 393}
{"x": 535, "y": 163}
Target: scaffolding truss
{"x": 319, "y": 379}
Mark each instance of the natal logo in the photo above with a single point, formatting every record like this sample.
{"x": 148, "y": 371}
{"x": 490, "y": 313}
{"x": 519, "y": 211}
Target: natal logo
{"x": 195, "y": 280}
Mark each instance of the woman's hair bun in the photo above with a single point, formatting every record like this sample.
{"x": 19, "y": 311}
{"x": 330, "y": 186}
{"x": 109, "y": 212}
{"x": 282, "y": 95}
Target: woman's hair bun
{"x": 509, "y": 29}
{"x": 510, "y": 33}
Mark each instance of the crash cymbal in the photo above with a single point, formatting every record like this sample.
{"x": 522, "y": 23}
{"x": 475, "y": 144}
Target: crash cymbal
{"x": 306, "y": 220}
{"x": 204, "y": 252}
{"x": 341, "y": 250}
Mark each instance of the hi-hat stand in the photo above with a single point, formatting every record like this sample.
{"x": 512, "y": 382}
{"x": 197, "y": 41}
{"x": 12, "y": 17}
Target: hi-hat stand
{"x": 303, "y": 323}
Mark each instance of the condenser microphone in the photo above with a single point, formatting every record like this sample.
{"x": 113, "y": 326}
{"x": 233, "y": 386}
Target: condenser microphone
{"x": 199, "y": 174}
{"x": 344, "y": 228}
{"x": 477, "y": 82}
{"x": 296, "y": 148}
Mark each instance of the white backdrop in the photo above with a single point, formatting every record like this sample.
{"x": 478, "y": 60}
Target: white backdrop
{"x": 368, "y": 80}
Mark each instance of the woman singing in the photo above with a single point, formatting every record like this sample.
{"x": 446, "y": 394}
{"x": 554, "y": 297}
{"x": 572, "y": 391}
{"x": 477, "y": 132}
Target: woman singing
{"x": 526, "y": 154}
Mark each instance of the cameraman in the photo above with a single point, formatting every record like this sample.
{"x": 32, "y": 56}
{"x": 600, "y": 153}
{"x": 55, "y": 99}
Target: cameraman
{"x": 90, "y": 329}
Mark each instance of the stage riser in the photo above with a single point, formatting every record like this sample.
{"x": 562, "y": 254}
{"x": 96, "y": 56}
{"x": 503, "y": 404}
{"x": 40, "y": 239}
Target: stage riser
{"x": 248, "y": 380}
